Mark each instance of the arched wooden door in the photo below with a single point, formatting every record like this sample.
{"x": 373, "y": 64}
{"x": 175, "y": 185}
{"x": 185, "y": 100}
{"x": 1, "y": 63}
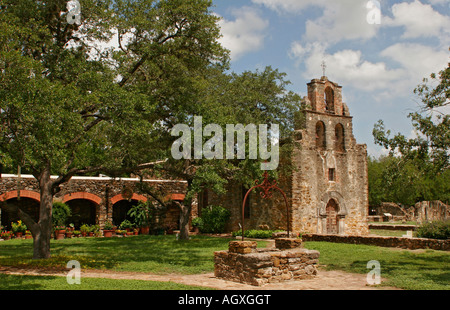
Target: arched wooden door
{"x": 332, "y": 212}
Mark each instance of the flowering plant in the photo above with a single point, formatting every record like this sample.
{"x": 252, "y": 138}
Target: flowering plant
{"x": 18, "y": 227}
{"x": 6, "y": 234}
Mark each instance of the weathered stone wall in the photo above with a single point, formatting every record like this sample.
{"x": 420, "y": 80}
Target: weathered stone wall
{"x": 245, "y": 264}
{"x": 103, "y": 192}
{"x": 396, "y": 242}
{"x": 430, "y": 211}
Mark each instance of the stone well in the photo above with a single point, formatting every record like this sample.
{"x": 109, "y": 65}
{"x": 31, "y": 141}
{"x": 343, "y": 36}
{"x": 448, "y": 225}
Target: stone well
{"x": 244, "y": 263}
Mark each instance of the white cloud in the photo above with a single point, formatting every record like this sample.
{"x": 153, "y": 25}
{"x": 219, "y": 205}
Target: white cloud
{"x": 419, "y": 60}
{"x": 346, "y": 66}
{"x": 419, "y": 20}
{"x": 341, "y": 20}
{"x": 245, "y": 34}
{"x": 294, "y": 6}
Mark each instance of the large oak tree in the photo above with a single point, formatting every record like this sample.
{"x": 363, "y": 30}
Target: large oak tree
{"x": 71, "y": 105}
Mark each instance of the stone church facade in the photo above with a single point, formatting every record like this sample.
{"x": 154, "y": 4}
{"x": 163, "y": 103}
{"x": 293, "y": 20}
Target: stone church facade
{"x": 328, "y": 188}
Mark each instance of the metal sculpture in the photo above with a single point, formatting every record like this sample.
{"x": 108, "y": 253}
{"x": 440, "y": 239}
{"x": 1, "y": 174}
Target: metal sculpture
{"x": 266, "y": 193}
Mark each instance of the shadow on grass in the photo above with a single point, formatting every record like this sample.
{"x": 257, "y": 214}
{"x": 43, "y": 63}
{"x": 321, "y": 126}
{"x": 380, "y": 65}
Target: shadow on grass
{"x": 158, "y": 254}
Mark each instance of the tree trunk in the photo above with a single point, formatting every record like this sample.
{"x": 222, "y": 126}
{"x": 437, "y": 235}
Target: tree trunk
{"x": 185, "y": 215}
{"x": 42, "y": 235}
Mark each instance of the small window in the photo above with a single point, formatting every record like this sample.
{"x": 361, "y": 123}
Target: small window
{"x": 321, "y": 142}
{"x": 329, "y": 100}
{"x": 331, "y": 174}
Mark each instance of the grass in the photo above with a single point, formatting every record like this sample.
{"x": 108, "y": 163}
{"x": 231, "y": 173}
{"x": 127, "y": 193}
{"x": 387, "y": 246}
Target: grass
{"x": 388, "y": 232}
{"x": 19, "y": 282}
{"x": 151, "y": 254}
{"x": 410, "y": 270}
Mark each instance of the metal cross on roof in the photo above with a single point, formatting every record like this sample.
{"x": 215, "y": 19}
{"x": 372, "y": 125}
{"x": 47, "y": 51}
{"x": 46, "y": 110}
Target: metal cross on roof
{"x": 324, "y": 67}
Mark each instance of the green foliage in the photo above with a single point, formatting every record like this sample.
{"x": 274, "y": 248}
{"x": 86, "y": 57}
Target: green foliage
{"x": 420, "y": 169}
{"x": 142, "y": 213}
{"x": 18, "y": 227}
{"x": 397, "y": 179}
{"x": 126, "y": 224}
{"x": 197, "y": 222}
{"x": 257, "y": 234}
{"x": 214, "y": 219}
{"x": 434, "y": 230}
{"x": 431, "y": 122}
{"x": 108, "y": 225}
{"x": 60, "y": 214}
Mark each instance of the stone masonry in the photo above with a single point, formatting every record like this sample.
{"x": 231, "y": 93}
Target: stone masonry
{"x": 328, "y": 188}
{"x": 100, "y": 194}
{"x": 244, "y": 263}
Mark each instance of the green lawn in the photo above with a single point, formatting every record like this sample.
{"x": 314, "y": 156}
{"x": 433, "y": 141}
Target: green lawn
{"x": 411, "y": 270}
{"x": 423, "y": 269}
{"x": 151, "y": 254}
{"x": 17, "y": 282}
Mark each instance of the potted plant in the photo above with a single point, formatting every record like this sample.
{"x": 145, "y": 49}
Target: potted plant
{"x": 28, "y": 234}
{"x": 84, "y": 229}
{"x": 6, "y": 235}
{"x": 18, "y": 228}
{"x": 76, "y": 233}
{"x": 108, "y": 229}
{"x": 69, "y": 233}
{"x": 94, "y": 230}
{"x": 126, "y": 225}
{"x": 60, "y": 232}
{"x": 142, "y": 215}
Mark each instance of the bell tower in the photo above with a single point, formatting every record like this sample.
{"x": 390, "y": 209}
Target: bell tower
{"x": 330, "y": 185}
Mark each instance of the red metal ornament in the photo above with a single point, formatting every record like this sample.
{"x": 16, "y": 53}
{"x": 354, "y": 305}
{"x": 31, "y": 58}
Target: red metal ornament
{"x": 267, "y": 193}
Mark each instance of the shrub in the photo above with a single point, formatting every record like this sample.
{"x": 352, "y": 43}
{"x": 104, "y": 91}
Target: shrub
{"x": 60, "y": 214}
{"x": 197, "y": 222}
{"x": 257, "y": 234}
{"x": 214, "y": 219}
{"x": 434, "y": 230}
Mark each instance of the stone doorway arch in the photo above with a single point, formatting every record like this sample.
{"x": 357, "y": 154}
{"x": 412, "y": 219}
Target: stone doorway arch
{"x": 332, "y": 213}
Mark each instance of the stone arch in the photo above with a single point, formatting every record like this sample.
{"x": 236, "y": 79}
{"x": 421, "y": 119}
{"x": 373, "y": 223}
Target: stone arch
{"x": 29, "y": 203}
{"x": 339, "y": 200}
{"x": 135, "y": 196}
{"x": 339, "y": 138}
{"x": 85, "y": 208}
{"x": 121, "y": 205}
{"x": 329, "y": 100}
{"x": 82, "y": 195}
{"x": 333, "y": 211}
{"x": 23, "y": 194}
{"x": 321, "y": 141}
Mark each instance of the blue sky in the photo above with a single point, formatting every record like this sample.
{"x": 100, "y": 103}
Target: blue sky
{"x": 378, "y": 65}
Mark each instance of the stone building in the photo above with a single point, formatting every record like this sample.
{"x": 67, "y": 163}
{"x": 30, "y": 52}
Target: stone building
{"x": 328, "y": 189}
{"x": 92, "y": 200}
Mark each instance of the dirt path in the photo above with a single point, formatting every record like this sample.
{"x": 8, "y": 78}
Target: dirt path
{"x": 325, "y": 280}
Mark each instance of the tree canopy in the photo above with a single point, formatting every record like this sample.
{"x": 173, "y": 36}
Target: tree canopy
{"x": 101, "y": 94}
{"x": 417, "y": 168}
